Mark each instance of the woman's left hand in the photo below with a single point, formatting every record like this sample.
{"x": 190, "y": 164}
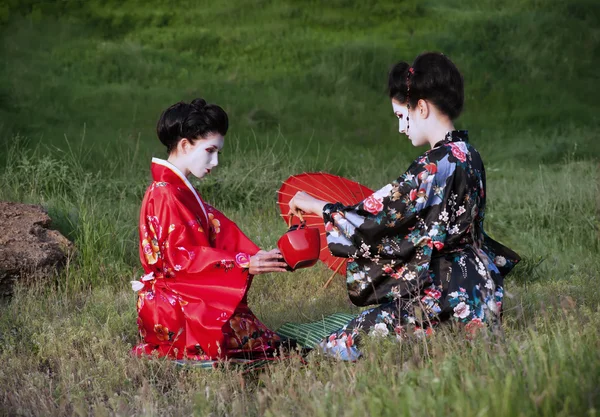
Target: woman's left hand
{"x": 264, "y": 262}
{"x": 302, "y": 203}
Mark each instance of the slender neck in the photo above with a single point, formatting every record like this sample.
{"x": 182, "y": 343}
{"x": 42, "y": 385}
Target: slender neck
{"x": 439, "y": 130}
{"x": 172, "y": 159}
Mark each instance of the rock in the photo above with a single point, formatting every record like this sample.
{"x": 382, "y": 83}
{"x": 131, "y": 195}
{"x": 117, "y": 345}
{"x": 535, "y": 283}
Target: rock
{"x": 29, "y": 250}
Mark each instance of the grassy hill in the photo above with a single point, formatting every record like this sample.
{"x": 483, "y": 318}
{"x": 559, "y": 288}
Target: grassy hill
{"x": 113, "y": 66}
{"x": 83, "y": 83}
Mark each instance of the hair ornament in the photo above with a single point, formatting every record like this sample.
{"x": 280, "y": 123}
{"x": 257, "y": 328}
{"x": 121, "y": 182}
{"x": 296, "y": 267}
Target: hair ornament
{"x": 411, "y": 71}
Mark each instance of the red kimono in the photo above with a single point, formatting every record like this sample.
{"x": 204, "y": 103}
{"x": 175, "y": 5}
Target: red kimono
{"x": 192, "y": 300}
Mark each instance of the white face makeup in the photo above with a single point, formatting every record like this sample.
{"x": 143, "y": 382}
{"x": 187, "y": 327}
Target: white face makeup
{"x": 413, "y": 128}
{"x": 203, "y": 155}
{"x": 401, "y": 113}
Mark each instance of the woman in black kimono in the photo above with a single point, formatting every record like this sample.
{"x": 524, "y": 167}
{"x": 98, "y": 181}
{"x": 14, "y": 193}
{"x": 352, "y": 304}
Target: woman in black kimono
{"x": 417, "y": 247}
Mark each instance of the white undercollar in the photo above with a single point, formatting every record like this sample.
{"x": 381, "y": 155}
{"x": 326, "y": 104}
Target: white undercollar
{"x": 188, "y": 184}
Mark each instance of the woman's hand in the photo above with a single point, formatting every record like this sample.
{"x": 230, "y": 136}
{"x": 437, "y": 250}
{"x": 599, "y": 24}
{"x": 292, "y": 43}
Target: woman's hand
{"x": 303, "y": 203}
{"x": 264, "y": 262}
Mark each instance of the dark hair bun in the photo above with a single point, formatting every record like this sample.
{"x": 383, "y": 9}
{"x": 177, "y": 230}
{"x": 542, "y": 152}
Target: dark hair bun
{"x": 192, "y": 121}
{"x": 198, "y": 103}
{"x": 434, "y": 78}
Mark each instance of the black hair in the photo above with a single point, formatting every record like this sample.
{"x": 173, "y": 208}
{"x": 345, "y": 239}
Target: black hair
{"x": 431, "y": 77}
{"x": 192, "y": 121}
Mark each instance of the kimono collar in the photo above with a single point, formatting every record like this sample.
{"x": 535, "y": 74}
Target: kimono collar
{"x": 454, "y": 136}
{"x": 164, "y": 171}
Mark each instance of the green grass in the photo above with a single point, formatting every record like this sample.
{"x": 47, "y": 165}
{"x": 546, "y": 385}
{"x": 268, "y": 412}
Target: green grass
{"x": 303, "y": 83}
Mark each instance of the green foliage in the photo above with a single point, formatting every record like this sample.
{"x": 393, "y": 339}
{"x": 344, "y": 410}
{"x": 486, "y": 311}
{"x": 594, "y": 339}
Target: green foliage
{"x": 114, "y": 66}
{"x": 303, "y": 82}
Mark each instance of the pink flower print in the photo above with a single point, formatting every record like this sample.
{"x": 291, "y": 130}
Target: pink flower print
{"x": 151, "y": 251}
{"x": 373, "y": 204}
{"x": 459, "y": 151}
{"x": 147, "y": 248}
{"x": 242, "y": 260}
{"x": 462, "y": 310}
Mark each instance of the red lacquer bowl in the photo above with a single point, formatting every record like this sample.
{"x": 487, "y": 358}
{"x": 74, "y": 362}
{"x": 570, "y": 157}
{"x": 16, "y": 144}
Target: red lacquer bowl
{"x": 300, "y": 246}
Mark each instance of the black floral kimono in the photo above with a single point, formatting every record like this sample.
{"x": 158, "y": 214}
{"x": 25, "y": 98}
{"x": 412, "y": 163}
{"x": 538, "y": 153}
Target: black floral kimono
{"x": 417, "y": 247}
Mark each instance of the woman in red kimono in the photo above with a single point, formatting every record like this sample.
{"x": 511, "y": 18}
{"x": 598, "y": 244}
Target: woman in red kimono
{"x": 198, "y": 264}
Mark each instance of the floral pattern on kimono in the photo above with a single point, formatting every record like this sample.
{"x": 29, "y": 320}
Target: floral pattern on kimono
{"x": 246, "y": 336}
{"x": 417, "y": 247}
{"x": 193, "y": 294}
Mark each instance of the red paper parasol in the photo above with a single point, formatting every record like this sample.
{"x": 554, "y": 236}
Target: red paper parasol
{"x": 325, "y": 187}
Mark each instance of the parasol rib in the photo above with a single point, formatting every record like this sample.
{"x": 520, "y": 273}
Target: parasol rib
{"x": 333, "y": 275}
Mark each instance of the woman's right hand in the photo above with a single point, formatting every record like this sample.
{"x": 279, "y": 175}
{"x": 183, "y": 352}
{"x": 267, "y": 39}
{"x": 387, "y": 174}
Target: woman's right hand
{"x": 303, "y": 202}
{"x": 264, "y": 262}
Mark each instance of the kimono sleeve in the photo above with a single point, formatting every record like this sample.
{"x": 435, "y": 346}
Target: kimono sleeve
{"x": 390, "y": 236}
{"x": 228, "y": 236}
{"x": 187, "y": 254}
